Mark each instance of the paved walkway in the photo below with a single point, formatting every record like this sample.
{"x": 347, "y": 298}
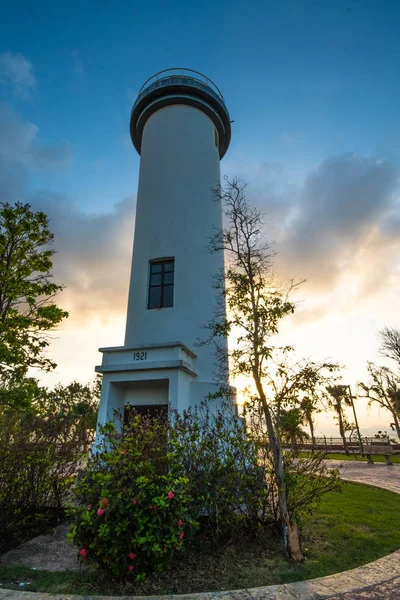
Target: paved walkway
{"x": 378, "y": 474}
{"x": 379, "y": 580}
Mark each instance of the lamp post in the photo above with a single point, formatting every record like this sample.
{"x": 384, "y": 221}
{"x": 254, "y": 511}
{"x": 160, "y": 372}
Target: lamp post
{"x": 347, "y": 387}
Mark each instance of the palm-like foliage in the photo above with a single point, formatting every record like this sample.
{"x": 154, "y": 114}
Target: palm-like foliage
{"x": 383, "y": 388}
{"x": 337, "y": 399}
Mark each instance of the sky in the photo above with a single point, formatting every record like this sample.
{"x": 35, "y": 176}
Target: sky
{"x": 313, "y": 88}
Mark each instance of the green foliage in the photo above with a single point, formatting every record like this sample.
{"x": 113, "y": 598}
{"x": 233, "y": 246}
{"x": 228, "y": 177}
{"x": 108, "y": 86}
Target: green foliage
{"x": 76, "y": 406}
{"x": 133, "y": 513}
{"x": 204, "y": 462}
{"x": 227, "y": 476}
{"x": 383, "y": 388}
{"x": 347, "y": 530}
{"x": 338, "y": 398}
{"x": 41, "y": 452}
{"x": 256, "y": 303}
{"x": 39, "y": 459}
{"x": 27, "y": 312}
{"x": 307, "y": 480}
{"x": 307, "y": 476}
{"x": 291, "y": 420}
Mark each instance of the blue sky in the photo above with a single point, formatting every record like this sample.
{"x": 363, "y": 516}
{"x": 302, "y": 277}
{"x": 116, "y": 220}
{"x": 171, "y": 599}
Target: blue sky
{"x": 314, "y": 90}
{"x": 302, "y": 79}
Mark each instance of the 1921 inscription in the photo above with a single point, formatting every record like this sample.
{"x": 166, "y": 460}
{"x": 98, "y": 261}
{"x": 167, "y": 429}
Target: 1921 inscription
{"x": 140, "y": 356}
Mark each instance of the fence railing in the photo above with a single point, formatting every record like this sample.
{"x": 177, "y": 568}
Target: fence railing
{"x": 182, "y": 72}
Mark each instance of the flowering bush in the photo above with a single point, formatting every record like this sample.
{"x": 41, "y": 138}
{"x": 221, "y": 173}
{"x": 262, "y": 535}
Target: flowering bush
{"x": 133, "y": 513}
{"x": 163, "y": 484}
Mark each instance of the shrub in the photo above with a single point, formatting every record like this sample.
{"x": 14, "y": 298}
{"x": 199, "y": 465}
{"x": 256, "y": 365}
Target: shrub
{"x": 162, "y": 484}
{"x": 133, "y": 514}
{"x": 36, "y": 473}
{"x": 228, "y": 480}
{"x": 307, "y": 480}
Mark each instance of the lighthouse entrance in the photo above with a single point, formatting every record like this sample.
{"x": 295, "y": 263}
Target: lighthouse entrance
{"x": 147, "y": 398}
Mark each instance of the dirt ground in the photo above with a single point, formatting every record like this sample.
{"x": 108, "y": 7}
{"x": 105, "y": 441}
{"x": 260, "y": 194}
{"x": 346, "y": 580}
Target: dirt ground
{"x": 51, "y": 552}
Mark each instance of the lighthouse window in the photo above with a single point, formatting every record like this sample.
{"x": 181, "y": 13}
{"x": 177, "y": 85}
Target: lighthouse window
{"x": 161, "y": 284}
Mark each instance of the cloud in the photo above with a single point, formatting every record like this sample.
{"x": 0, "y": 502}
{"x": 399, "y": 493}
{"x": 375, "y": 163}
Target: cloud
{"x": 16, "y": 72}
{"x": 339, "y": 221}
{"x": 339, "y": 228}
{"x": 20, "y": 148}
{"x": 93, "y": 251}
{"x": 93, "y": 255}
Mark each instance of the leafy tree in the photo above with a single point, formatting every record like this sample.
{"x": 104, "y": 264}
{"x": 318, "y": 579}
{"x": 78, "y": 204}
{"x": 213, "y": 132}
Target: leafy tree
{"x": 27, "y": 309}
{"x": 383, "y": 388}
{"x": 390, "y": 343}
{"x": 309, "y": 406}
{"x": 291, "y": 420}
{"x": 255, "y": 305}
{"x": 75, "y": 405}
{"x": 338, "y": 399}
{"x": 316, "y": 377}
{"x": 299, "y": 386}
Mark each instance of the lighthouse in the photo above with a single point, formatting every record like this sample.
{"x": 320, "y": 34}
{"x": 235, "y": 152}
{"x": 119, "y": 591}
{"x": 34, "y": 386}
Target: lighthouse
{"x": 180, "y": 127}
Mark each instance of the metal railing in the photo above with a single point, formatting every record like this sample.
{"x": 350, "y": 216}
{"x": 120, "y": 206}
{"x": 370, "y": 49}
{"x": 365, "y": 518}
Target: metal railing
{"x": 185, "y": 73}
{"x": 336, "y": 441}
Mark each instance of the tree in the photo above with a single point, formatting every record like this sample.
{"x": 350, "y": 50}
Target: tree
{"x": 384, "y": 389}
{"x": 390, "y": 343}
{"x": 255, "y": 305}
{"x": 27, "y": 310}
{"x": 308, "y": 407}
{"x": 338, "y": 399}
{"x": 314, "y": 390}
{"x": 291, "y": 420}
{"x": 297, "y": 388}
{"x": 75, "y": 405}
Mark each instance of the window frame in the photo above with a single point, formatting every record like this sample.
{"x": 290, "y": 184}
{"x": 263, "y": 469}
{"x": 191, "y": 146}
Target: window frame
{"x": 162, "y": 285}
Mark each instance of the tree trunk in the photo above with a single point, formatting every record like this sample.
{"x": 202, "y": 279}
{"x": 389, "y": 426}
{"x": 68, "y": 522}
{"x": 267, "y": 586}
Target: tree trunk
{"x": 311, "y": 426}
{"x": 342, "y": 432}
{"x": 396, "y": 424}
{"x": 290, "y": 530}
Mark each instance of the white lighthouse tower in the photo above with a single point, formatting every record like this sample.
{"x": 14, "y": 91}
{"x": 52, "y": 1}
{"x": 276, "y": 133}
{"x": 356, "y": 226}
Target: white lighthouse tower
{"x": 180, "y": 126}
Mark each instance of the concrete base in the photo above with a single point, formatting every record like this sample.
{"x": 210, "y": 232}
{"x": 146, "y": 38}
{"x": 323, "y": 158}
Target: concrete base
{"x": 157, "y": 374}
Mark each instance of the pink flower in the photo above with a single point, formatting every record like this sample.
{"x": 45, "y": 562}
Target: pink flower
{"x": 100, "y": 512}
{"x": 170, "y": 495}
{"x": 180, "y": 523}
{"x": 182, "y": 535}
{"x": 151, "y": 506}
{"x": 134, "y": 500}
{"x": 123, "y": 451}
{"x": 131, "y": 567}
{"x": 132, "y": 555}
{"x": 89, "y": 507}
{"x": 82, "y": 552}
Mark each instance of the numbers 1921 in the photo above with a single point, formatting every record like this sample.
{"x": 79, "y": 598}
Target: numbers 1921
{"x": 140, "y": 356}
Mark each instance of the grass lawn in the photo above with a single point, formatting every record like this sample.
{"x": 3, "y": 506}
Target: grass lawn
{"x": 348, "y": 529}
{"x": 375, "y": 457}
